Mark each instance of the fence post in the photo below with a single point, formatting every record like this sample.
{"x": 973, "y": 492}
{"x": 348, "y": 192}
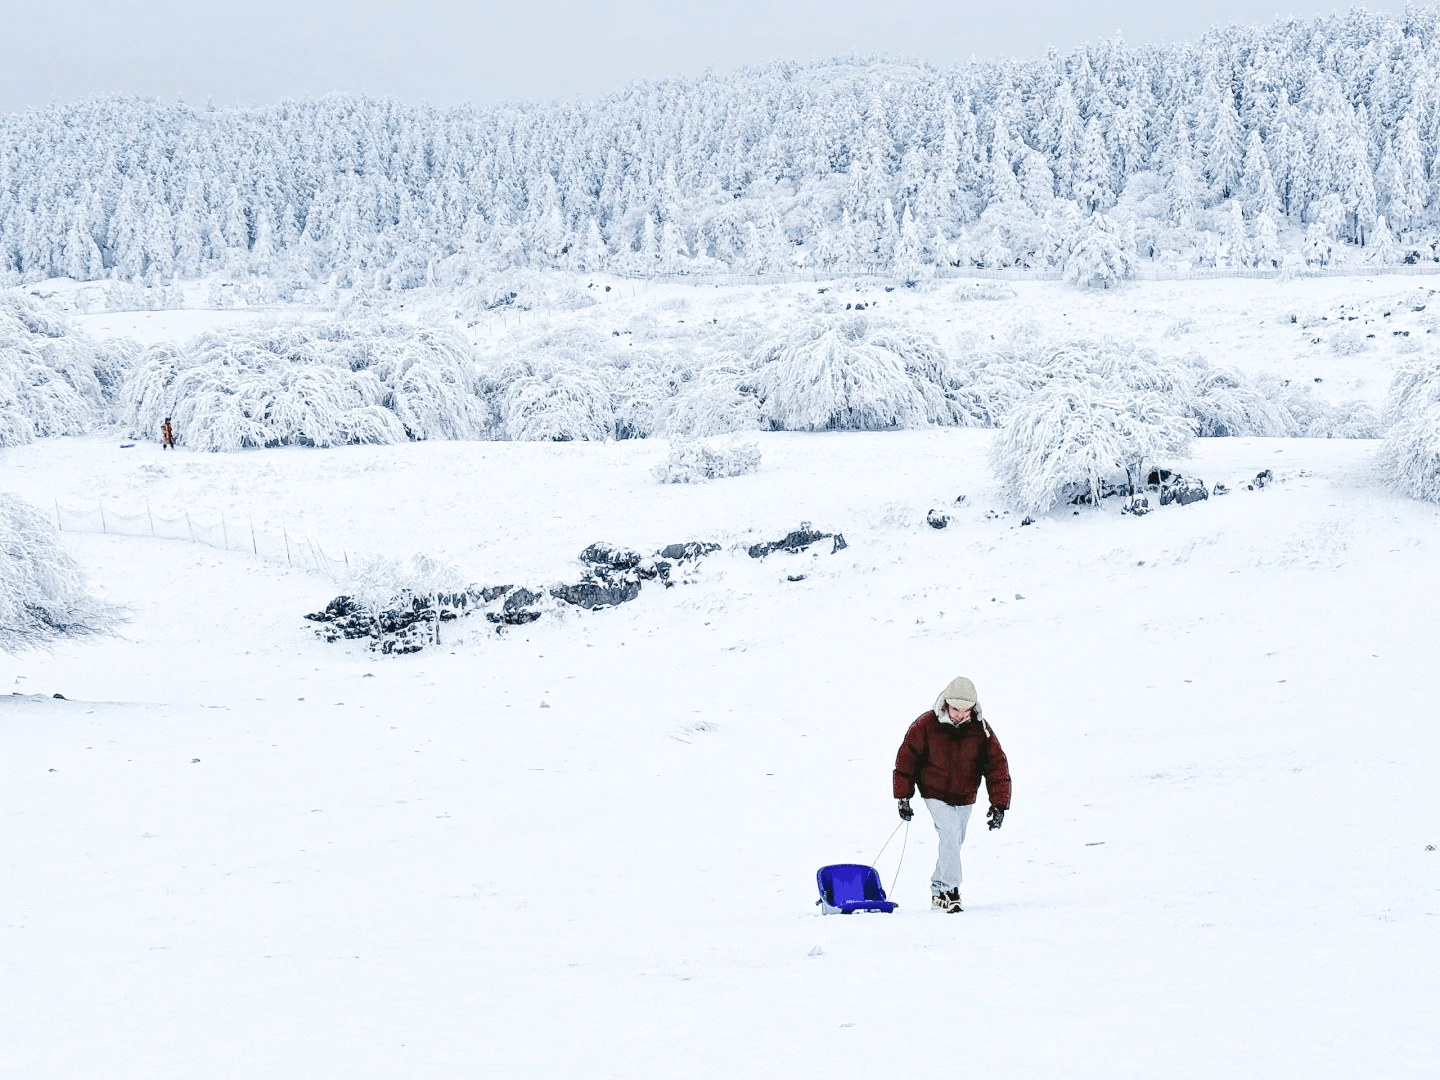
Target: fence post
{"x": 103, "y": 527}
{"x": 285, "y": 533}
{"x": 254, "y": 547}
{"x": 151, "y": 516}
{"x": 224, "y": 531}
{"x": 59, "y": 525}
{"x": 189, "y": 526}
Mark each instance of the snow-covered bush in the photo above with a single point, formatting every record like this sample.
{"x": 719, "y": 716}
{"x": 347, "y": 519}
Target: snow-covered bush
{"x": 1347, "y": 341}
{"x": 1078, "y": 435}
{"x": 1345, "y": 420}
{"x": 333, "y": 383}
{"x": 561, "y": 386}
{"x": 716, "y": 401}
{"x": 844, "y": 373}
{"x": 53, "y": 381}
{"x": 555, "y": 401}
{"x": 1227, "y": 403}
{"x": 380, "y": 582}
{"x": 643, "y": 388}
{"x": 1309, "y": 416}
{"x": 1220, "y": 401}
{"x": 692, "y": 462}
{"x": 43, "y": 595}
{"x": 399, "y": 605}
{"x": 1410, "y": 454}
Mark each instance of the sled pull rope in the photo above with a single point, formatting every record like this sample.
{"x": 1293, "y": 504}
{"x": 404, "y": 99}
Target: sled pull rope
{"x": 887, "y": 843}
{"x": 904, "y": 843}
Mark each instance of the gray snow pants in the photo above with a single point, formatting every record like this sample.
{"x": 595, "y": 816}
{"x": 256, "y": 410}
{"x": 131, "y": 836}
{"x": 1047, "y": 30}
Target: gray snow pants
{"x": 950, "y": 822}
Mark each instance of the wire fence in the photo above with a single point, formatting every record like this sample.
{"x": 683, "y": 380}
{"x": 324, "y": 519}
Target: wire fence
{"x": 227, "y": 534}
{"x": 1010, "y": 273}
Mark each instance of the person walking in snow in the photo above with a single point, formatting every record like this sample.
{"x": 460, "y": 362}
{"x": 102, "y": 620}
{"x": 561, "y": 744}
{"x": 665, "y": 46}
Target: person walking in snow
{"x": 167, "y": 435}
{"x": 946, "y": 752}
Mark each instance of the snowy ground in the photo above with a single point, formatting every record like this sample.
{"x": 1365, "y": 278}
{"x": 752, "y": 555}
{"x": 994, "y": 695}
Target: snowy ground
{"x": 587, "y": 847}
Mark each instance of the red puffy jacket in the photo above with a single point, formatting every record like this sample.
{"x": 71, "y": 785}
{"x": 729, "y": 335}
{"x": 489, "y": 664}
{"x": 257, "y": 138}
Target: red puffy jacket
{"x": 947, "y": 761}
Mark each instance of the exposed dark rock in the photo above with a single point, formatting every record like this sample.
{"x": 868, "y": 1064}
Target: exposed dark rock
{"x": 936, "y": 520}
{"x": 1263, "y": 477}
{"x": 796, "y": 541}
{"x": 402, "y": 629}
{"x": 794, "y": 577}
{"x": 603, "y": 554}
{"x": 692, "y": 550}
{"x": 1139, "y": 506}
{"x": 1079, "y": 494}
{"x": 1183, "y": 490}
{"x": 512, "y": 618}
{"x": 1027, "y": 520}
{"x": 598, "y": 591}
{"x": 1220, "y": 489}
{"x": 521, "y": 598}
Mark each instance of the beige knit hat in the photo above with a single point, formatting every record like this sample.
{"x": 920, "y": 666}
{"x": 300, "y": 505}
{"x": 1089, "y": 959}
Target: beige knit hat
{"x": 960, "y": 693}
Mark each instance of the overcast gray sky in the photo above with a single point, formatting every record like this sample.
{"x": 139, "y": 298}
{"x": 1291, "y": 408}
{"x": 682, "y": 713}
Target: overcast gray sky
{"x": 259, "y": 51}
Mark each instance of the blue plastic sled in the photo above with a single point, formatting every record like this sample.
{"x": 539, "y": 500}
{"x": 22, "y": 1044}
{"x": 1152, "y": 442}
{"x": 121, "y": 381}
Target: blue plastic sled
{"x": 847, "y": 887}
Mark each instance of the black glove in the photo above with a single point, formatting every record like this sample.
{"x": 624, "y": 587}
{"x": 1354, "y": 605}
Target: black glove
{"x": 905, "y": 812}
{"x": 996, "y": 817}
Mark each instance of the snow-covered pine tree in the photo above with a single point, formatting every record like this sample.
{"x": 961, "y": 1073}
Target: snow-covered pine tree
{"x": 1096, "y": 259}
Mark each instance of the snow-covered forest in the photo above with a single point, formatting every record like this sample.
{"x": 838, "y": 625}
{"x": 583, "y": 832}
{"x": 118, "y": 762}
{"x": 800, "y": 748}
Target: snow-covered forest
{"x": 1304, "y": 142}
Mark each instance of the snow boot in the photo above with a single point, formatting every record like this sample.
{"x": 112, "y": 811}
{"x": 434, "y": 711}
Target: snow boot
{"x": 947, "y": 900}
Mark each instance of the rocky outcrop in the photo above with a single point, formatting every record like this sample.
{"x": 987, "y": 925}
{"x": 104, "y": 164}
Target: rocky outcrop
{"x": 797, "y": 541}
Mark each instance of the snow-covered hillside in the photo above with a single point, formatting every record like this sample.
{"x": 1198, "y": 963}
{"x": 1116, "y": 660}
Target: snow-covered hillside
{"x": 586, "y": 847}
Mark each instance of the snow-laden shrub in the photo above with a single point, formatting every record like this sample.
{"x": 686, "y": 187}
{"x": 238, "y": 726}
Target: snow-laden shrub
{"x": 1078, "y": 435}
{"x": 401, "y": 605}
{"x": 561, "y": 386}
{"x": 643, "y": 389}
{"x": 1309, "y": 416}
{"x": 840, "y": 374}
{"x": 43, "y": 594}
{"x": 1345, "y": 420}
{"x": 555, "y": 401}
{"x": 333, "y": 383}
{"x": 381, "y": 583}
{"x": 693, "y": 462}
{"x": 1227, "y": 403}
{"x": 53, "y": 381}
{"x": 718, "y": 400}
{"x": 1410, "y": 454}
{"x": 1347, "y": 341}
{"x": 1219, "y": 400}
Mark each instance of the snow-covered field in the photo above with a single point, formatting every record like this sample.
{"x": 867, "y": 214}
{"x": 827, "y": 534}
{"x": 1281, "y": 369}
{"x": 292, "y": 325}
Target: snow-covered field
{"x": 586, "y": 847}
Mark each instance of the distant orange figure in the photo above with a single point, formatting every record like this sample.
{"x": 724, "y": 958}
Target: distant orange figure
{"x": 167, "y": 433}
